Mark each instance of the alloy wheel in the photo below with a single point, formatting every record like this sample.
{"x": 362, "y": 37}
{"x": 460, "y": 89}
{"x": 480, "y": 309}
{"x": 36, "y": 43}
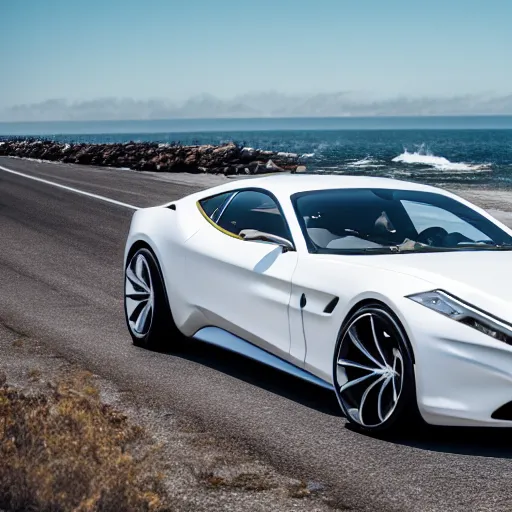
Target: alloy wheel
{"x": 370, "y": 368}
{"x": 139, "y": 296}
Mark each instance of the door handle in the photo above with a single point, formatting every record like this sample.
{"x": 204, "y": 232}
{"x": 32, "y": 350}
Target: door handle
{"x": 303, "y": 301}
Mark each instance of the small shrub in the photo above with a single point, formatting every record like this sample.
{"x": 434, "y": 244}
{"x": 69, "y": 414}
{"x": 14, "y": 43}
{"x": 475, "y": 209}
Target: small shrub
{"x": 65, "y": 450}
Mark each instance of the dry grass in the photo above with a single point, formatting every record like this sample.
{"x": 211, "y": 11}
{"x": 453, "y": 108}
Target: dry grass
{"x": 64, "y": 450}
{"x": 243, "y": 481}
{"x": 299, "y": 491}
{"x": 34, "y": 374}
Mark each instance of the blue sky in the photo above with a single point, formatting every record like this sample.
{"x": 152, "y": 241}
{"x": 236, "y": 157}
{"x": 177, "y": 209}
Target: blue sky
{"x": 88, "y": 49}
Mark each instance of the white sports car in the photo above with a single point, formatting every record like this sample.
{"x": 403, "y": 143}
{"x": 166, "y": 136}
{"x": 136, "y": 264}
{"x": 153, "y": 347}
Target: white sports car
{"x": 397, "y": 296}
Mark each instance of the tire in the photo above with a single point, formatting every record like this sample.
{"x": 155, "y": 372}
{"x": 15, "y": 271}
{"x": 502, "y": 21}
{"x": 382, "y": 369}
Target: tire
{"x": 373, "y": 372}
{"x": 147, "y": 312}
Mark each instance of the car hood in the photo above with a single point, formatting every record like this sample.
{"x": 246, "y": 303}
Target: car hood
{"x": 482, "y": 278}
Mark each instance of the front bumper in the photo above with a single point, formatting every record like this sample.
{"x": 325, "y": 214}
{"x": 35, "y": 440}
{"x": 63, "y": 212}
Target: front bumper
{"x": 462, "y": 375}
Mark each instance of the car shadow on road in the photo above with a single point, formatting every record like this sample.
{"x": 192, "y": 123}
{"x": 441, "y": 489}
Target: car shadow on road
{"x": 481, "y": 442}
{"x": 258, "y": 374}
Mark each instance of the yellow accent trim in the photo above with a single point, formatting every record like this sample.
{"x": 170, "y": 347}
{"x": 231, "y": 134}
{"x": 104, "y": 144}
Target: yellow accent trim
{"x": 222, "y": 230}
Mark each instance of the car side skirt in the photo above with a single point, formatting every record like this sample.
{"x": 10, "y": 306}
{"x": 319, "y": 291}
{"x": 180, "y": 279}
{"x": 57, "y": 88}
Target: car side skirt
{"x": 228, "y": 341}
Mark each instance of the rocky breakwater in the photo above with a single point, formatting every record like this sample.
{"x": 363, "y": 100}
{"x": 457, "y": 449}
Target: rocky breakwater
{"x": 227, "y": 159}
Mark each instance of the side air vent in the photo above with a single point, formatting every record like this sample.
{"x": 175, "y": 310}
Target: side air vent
{"x": 330, "y": 307}
{"x": 503, "y": 413}
{"x": 172, "y": 207}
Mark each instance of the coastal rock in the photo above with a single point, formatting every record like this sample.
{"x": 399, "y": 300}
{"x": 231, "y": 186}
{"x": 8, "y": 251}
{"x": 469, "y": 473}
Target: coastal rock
{"x": 228, "y": 159}
{"x": 272, "y": 167}
{"x": 247, "y": 153}
{"x": 291, "y": 156}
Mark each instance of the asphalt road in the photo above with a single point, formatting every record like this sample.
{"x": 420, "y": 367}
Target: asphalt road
{"x": 61, "y": 280}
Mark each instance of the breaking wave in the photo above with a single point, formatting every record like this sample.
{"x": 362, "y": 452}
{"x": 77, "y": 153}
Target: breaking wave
{"x": 366, "y": 163}
{"x": 425, "y": 157}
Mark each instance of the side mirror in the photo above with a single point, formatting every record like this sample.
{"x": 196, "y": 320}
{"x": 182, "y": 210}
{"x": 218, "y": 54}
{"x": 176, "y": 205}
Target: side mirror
{"x": 255, "y": 235}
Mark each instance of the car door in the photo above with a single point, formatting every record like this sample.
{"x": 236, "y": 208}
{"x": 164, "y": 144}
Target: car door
{"x": 243, "y": 286}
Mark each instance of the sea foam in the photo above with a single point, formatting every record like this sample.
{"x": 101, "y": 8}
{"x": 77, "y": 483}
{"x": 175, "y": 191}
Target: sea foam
{"x": 367, "y": 162}
{"x": 425, "y": 157}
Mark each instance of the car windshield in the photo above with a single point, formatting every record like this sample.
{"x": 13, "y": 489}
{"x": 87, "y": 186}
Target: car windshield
{"x": 366, "y": 221}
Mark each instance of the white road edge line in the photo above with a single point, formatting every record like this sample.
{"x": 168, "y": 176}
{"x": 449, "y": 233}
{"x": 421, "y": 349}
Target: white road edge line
{"x": 70, "y": 189}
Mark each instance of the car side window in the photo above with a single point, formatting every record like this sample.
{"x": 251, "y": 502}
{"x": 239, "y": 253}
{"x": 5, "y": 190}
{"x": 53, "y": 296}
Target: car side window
{"x": 251, "y": 209}
{"x": 212, "y": 204}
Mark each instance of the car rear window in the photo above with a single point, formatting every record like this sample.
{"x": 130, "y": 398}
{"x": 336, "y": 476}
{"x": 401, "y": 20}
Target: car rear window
{"x": 210, "y": 205}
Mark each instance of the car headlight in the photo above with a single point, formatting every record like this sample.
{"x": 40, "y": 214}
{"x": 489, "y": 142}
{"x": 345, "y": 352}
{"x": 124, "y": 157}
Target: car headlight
{"x": 458, "y": 310}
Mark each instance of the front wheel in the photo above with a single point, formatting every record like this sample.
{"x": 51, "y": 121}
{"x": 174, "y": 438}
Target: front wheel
{"x": 373, "y": 371}
{"x": 146, "y": 308}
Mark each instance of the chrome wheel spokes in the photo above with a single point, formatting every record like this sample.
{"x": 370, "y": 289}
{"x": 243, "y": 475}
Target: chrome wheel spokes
{"x": 139, "y": 297}
{"x": 355, "y": 340}
{"x": 376, "y": 340}
{"x": 370, "y": 369}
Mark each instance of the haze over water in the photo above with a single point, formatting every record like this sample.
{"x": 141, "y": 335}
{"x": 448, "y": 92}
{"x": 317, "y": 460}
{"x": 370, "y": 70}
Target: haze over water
{"x": 443, "y": 150}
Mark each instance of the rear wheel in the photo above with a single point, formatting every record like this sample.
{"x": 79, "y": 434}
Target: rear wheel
{"x": 373, "y": 371}
{"x": 146, "y": 308}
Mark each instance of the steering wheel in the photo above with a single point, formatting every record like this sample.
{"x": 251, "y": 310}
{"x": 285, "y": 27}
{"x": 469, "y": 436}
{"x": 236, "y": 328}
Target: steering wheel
{"x": 432, "y": 236}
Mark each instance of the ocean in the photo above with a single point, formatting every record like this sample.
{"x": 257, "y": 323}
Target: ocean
{"x": 471, "y": 150}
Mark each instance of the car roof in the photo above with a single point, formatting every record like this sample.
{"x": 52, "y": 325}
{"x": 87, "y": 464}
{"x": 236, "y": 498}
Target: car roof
{"x": 287, "y": 184}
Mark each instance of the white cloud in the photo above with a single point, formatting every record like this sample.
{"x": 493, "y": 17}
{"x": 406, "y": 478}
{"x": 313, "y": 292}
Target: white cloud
{"x": 265, "y": 104}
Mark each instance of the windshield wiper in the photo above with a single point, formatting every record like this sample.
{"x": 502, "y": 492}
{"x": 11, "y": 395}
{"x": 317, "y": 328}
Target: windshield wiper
{"x": 484, "y": 245}
{"x": 413, "y": 246}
